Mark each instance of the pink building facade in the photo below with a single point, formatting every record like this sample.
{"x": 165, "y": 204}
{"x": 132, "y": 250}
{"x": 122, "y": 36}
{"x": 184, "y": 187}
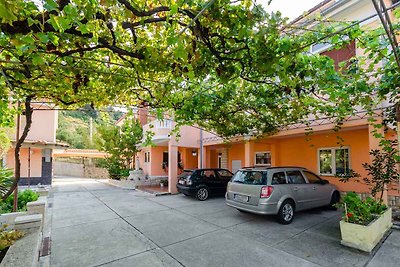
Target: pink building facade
{"x": 169, "y": 155}
{"x": 36, "y": 153}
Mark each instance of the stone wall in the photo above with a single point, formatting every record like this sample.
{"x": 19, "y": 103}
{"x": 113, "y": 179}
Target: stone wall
{"x": 62, "y": 168}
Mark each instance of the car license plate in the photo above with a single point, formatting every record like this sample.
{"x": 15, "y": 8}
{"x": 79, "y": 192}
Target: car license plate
{"x": 241, "y": 198}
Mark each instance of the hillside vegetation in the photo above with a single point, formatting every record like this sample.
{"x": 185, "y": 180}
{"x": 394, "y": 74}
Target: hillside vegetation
{"x": 73, "y": 127}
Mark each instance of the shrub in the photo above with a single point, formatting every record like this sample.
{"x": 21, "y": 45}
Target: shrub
{"x": 361, "y": 211}
{"x": 7, "y": 238}
{"x": 23, "y": 198}
{"x": 164, "y": 182}
{"x": 6, "y": 180}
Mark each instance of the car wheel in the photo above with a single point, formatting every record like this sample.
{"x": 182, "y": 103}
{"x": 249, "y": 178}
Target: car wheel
{"x": 334, "y": 200}
{"x": 202, "y": 193}
{"x": 286, "y": 212}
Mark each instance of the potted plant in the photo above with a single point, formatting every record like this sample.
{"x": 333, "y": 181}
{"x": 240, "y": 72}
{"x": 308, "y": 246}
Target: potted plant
{"x": 163, "y": 183}
{"x": 7, "y": 238}
{"x": 365, "y": 222}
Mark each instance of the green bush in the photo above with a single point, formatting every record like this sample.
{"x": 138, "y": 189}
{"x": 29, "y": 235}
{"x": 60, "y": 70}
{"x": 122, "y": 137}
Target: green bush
{"x": 23, "y": 198}
{"x": 361, "y": 211}
{"x": 116, "y": 171}
{"x": 8, "y": 237}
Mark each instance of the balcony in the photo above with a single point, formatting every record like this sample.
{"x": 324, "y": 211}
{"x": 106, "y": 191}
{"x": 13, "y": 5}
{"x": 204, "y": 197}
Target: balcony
{"x": 161, "y": 130}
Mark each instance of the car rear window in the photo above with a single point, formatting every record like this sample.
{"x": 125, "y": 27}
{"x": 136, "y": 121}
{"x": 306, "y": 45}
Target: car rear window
{"x": 250, "y": 177}
{"x": 186, "y": 173}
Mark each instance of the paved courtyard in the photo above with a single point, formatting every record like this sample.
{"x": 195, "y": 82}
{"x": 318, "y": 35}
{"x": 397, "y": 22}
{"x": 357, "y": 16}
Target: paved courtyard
{"x": 94, "y": 224}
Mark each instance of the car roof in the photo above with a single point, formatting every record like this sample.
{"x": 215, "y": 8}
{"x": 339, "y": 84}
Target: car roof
{"x": 271, "y": 168}
{"x": 206, "y": 169}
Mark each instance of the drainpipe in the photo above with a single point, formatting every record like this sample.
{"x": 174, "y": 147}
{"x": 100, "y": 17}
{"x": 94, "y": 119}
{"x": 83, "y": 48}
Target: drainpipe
{"x": 15, "y": 204}
{"x": 29, "y": 167}
{"x": 201, "y": 148}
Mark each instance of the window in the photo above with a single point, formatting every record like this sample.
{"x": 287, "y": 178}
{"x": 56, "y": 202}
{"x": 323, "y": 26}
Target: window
{"x": 312, "y": 178}
{"x": 208, "y": 174}
{"x": 147, "y": 156}
{"x": 224, "y": 174}
{"x": 263, "y": 158}
{"x": 250, "y": 177}
{"x": 295, "y": 177}
{"x": 333, "y": 161}
{"x": 278, "y": 178}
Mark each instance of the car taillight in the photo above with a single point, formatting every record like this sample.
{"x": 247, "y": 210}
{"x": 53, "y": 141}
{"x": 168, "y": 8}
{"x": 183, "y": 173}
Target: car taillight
{"x": 266, "y": 191}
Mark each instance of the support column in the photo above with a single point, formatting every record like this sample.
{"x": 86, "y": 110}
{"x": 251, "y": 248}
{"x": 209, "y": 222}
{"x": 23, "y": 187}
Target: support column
{"x": 172, "y": 165}
{"x": 374, "y": 144}
{"x": 204, "y": 162}
{"x": 248, "y": 154}
{"x": 274, "y": 156}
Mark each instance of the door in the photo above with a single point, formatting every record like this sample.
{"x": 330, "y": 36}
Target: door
{"x": 225, "y": 176}
{"x": 236, "y": 165}
{"x": 320, "y": 193}
{"x": 300, "y": 189}
{"x": 210, "y": 179}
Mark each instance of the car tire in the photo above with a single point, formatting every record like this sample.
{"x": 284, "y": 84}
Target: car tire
{"x": 202, "y": 193}
{"x": 286, "y": 212}
{"x": 334, "y": 200}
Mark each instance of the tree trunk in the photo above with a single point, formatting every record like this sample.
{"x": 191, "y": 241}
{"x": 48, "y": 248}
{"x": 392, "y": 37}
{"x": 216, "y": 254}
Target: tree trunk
{"x": 397, "y": 107}
{"x": 18, "y": 144}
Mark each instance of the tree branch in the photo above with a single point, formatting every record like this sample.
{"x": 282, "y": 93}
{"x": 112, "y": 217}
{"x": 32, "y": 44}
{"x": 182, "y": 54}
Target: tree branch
{"x": 18, "y": 144}
{"x": 143, "y": 13}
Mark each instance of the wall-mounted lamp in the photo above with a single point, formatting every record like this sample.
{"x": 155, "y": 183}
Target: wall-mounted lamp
{"x": 194, "y": 153}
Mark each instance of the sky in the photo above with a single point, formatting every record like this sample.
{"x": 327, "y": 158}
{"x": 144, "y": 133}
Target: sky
{"x": 289, "y": 8}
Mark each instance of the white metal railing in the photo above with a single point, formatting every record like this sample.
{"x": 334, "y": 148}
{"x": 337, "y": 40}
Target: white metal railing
{"x": 165, "y": 123}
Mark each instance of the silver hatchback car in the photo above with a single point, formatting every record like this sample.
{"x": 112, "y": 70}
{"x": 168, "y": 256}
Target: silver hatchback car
{"x": 279, "y": 191}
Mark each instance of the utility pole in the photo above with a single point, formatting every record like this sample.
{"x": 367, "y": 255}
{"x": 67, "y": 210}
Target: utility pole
{"x": 91, "y": 130}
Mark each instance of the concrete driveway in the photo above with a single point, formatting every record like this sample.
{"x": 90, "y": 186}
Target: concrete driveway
{"x": 94, "y": 224}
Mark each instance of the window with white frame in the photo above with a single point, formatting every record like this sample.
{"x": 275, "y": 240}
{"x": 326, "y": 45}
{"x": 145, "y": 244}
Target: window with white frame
{"x": 147, "y": 156}
{"x": 333, "y": 161}
{"x": 263, "y": 158}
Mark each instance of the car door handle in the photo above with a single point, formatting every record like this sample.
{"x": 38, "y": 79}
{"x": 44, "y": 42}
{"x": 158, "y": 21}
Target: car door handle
{"x": 314, "y": 188}
{"x": 295, "y": 188}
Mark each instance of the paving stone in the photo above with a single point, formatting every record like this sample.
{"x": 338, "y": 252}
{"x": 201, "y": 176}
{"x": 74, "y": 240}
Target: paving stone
{"x": 152, "y": 258}
{"x": 322, "y": 250}
{"x": 167, "y": 227}
{"x": 224, "y": 248}
{"x": 96, "y": 243}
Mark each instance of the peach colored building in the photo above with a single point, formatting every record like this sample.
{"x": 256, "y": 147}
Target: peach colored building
{"x": 37, "y": 151}
{"x": 168, "y": 155}
{"x": 325, "y": 152}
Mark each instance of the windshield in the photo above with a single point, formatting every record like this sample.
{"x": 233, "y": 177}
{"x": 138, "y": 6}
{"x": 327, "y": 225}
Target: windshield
{"x": 250, "y": 177}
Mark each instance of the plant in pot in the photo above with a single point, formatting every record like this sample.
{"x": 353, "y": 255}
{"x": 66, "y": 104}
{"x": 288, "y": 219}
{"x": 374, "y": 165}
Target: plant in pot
{"x": 365, "y": 222}
{"x": 7, "y": 238}
{"x": 163, "y": 183}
